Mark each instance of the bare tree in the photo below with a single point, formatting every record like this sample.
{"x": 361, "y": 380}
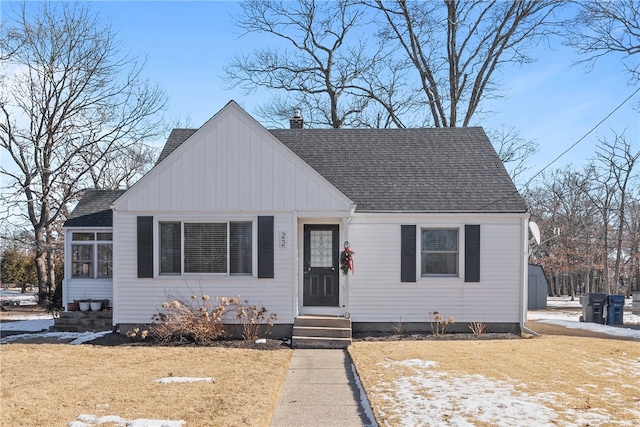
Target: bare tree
{"x": 513, "y": 150}
{"x": 618, "y": 161}
{"x": 121, "y": 167}
{"x": 456, "y": 47}
{"x": 69, "y": 99}
{"x": 632, "y": 241}
{"x": 603, "y": 27}
{"x": 336, "y": 74}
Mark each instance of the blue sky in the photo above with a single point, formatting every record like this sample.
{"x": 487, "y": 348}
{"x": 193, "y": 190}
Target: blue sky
{"x": 188, "y": 43}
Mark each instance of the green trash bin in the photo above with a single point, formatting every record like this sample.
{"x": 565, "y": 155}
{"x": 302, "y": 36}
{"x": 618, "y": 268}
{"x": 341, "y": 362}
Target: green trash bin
{"x": 615, "y": 310}
{"x": 593, "y": 307}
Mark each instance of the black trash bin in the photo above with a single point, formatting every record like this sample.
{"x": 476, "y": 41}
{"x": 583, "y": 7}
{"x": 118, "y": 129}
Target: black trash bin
{"x": 593, "y": 307}
{"x": 615, "y": 309}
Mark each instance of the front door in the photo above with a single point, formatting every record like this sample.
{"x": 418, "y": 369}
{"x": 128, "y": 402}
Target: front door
{"x": 321, "y": 280}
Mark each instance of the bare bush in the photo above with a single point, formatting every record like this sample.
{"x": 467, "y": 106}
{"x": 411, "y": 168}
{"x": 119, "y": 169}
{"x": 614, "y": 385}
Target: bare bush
{"x": 201, "y": 321}
{"x": 197, "y": 320}
{"x": 478, "y": 328}
{"x": 255, "y": 319}
{"x": 439, "y": 324}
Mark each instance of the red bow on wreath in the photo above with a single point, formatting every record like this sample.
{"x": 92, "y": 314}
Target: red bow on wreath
{"x": 346, "y": 260}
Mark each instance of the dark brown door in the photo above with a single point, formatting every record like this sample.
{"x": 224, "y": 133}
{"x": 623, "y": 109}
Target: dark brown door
{"x": 321, "y": 280}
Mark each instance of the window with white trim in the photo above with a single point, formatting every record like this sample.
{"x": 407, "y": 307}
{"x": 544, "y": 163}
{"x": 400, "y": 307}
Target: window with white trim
{"x": 206, "y": 247}
{"x": 92, "y": 255}
{"x": 439, "y": 253}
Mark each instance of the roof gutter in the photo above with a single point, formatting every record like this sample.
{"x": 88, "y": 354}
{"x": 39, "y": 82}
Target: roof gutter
{"x": 525, "y": 276}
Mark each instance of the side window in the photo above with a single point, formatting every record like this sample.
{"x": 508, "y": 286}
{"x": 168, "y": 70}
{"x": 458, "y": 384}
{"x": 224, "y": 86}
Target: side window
{"x": 170, "y": 248}
{"x": 240, "y": 247}
{"x": 92, "y": 255}
{"x": 439, "y": 254}
{"x": 82, "y": 260}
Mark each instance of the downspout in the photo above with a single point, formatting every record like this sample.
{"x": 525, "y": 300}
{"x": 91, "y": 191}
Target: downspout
{"x": 114, "y": 276}
{"x": 524, "y": 271}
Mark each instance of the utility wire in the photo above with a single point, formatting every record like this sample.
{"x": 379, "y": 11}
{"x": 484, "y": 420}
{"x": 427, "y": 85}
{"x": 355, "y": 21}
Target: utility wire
{"x": 583, "y": 137}
{"x": 567, "y": 150}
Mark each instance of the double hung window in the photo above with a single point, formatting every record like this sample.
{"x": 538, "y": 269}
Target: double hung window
{"x": 206, "y": 247}
{"x": 439, "y": 254}
{"x": 92, "y": 255}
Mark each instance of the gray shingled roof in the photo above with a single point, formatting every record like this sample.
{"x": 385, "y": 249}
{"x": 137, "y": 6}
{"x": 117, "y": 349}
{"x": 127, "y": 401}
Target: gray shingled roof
{"x": 94, "y": 209}
{"x": 422, "y": 170}
{"x": 411, "y": 170}
{"x": 416, "y": 170}
{"x": 176, "y": 137}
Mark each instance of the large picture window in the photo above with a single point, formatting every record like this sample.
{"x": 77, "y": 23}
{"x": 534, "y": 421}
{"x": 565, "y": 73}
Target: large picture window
{"x": 439, "y": 255}
{"x": 92, "y": 255}
{"x": 210, "y": 247}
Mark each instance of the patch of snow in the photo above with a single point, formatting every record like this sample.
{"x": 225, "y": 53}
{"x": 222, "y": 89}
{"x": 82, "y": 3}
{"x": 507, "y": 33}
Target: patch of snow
{"x": 417, "y": 363}
{"x": 171, "y": 380}
{"x": 41, "y": 324}
{"x": 155, "y": 423}
{"x": 450, "y": 399}
{"x": 595, "y": 327}
{"x": 461, "y": 400}
{"x": 77, "y": 337}
{"x": 364, "y": 402}
{"x": 17, "y": 298}
{"x": 87, "y": 420}
{"x": 88, "y": 336}
{"x": 261, "y": 341}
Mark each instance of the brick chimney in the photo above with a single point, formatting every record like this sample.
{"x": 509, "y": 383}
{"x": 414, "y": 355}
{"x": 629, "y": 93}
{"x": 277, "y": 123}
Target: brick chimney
{"x": 296, "y": 122}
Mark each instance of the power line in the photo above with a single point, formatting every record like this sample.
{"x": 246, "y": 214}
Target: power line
{"x": 583, "y": 137}
{"x": 567, "y": 150}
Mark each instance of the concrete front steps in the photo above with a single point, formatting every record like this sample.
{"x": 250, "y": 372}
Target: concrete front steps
{"x": 83, "y": 321}
{"x": 316, "y": 331}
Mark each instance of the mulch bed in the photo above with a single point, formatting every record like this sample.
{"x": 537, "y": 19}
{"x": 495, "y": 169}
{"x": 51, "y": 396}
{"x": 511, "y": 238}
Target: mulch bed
{"x": 116, "y": 339}
{"x": 374, "y": 336}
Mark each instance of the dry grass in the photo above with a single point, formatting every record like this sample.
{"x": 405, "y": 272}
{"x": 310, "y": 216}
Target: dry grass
{"x": 585, "y": 376}
{"x": 48, "y": 384}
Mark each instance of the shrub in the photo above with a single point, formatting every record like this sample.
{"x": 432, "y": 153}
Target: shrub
{"x": 198, "y": 320}
{"x": 254, "y": 319}
{"x": 478, "y": 328}
{"x": 201, "y": 321}
{"x": 439, "y": 325}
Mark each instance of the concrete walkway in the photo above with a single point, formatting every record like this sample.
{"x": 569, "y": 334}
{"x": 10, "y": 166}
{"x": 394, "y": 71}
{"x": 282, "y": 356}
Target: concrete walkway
{"x": 320, "y": 390}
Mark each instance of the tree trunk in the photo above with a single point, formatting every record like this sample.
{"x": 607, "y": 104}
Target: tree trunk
{"x": 41, "y": 262}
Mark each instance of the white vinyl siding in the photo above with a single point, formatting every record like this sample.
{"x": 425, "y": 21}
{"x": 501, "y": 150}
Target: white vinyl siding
{"x": 138, "y": 300}
{"x": 376, "y": 293}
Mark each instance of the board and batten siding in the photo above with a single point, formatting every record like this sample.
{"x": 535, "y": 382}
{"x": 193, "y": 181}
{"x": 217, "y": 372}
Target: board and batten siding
{"x": 232, "y": 164}
{"x": 377, "y": 294}
{"x": 139, "y": 299}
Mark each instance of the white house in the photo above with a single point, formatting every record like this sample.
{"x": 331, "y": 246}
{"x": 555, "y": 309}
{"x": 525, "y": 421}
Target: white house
{"x": 433, "y": 219}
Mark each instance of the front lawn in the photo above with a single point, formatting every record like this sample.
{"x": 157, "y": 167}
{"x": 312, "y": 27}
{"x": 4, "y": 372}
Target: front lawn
{"x": 53, "y": 384}
{"x": 552, "y": 380}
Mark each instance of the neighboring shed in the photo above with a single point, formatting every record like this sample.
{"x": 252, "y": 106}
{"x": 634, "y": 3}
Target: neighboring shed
{"x": 538, "y": 286}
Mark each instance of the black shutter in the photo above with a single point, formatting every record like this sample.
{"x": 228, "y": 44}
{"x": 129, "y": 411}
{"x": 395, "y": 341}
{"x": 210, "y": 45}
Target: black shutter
{"x": 145, "y": 246}
{"x": 407, "y": 253}
{"x": 265, "y": 247}
{"x": 471, "y": 253}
